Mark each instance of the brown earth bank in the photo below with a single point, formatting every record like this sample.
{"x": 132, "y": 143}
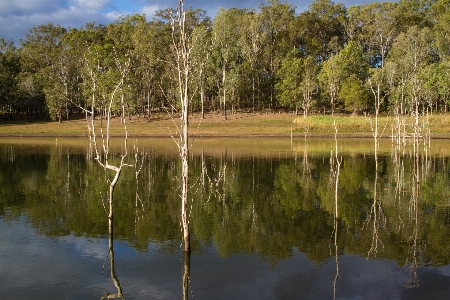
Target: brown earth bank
{"x": 238, "y": 125}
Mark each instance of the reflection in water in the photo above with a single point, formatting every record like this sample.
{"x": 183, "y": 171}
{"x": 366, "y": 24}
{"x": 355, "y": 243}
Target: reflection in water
{"x": 186, "y": 274}
{"x": 407, "y": 190}
{"x": 414, "y": 216}
{"x": 140, "y": 158}
{"x": 114, "y": 278}
{"x": 335, "y": 168}
{"x": 276, "y": 208}
{"x": 376, "y": 215}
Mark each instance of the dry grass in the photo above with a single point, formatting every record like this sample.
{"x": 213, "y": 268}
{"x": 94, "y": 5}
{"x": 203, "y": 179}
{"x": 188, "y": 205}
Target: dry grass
{"x": 236, "y": 125}
{"x": 361, "y": 126}
{"x": 241, "y": 124}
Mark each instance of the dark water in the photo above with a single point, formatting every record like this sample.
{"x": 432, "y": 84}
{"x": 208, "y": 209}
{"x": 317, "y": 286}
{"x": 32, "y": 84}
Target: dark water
{"x": 263, "y": 218}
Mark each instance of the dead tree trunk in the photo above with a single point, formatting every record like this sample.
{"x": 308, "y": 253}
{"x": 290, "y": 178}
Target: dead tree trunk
{"x": 181, "y": 43}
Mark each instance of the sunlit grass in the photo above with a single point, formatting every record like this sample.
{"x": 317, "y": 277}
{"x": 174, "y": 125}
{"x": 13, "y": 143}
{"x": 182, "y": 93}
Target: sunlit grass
{"x": 439, "y": 125}
{"x": 344, "y": 124}
{"x": 236, "y": 125}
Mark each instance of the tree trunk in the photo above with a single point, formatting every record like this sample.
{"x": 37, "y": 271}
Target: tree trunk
{"x": 186, "y": 274}
{"x": 224, "y": 93}
{"x": 149, "y": 107}
{"x": 253, "y": 93}
{"x": 202, "y": 100}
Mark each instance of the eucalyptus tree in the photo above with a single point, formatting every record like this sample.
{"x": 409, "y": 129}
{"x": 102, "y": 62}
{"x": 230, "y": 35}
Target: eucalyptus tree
{"x": 276, "y": 18}
{"x": 321, "y": 29}
{"x": 109, "y": 81}
{"x": 409, "y": 13}
{"x": 181, "y": 47}
{"x": 29, "y": 95}
{"x": 430, "y": 93}
{"x": 46, "y": 54}
{"x": 354, "y": 74}
{"x": 9, "y": 75}
{"x": 442, "y": 82}
{"x": 95, "y": 66}
{"x": 330, "y": 79}
{"x": 251, "y": 42}
{"x": 80, "y": 43}
{"x": 150, "y": 41}
{"x": 201, "y": 54}
{"x": 290, "y": 77}
{"x": 379, "y": 30}
{"x": 119, "y": 35}
{"x": 309, "y": 84}
{"x": 347, "y": 69}
{"x": 225, "y": 36}
{"x": 440, "y": 14}
{"x": 380, "y": 83}
{"x": 166, "y": 52}
{"x": 436, "y": 90}
{"x": 412, "y": 52}
{"x": 106, "y": 67}
{"x": 353, "y": 23}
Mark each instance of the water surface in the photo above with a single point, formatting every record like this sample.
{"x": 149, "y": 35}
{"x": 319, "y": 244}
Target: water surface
{"x": 264, "y": 221}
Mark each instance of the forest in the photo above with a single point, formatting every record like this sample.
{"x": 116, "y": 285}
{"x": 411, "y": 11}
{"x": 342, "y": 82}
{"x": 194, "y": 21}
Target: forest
{"x": 383, "y": 57}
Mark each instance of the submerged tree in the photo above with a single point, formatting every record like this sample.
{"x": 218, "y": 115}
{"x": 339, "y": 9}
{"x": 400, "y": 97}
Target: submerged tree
{"x": 410, "y": 55}
{"x": 181, "y": 42}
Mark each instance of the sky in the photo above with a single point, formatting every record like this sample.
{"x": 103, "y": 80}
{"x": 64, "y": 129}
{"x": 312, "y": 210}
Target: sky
{"x": 17, "y": 17}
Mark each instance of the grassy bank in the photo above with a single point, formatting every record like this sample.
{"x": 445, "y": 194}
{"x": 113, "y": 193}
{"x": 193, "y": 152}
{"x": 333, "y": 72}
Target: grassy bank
{"x": 439, "y": 125}
{"x": 236, "y": 125}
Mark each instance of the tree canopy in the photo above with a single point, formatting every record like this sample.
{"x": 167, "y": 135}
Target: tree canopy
{"x": 320, "y": 60}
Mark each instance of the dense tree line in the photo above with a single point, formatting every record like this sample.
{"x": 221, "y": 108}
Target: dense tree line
{"x": 384, "y": 56}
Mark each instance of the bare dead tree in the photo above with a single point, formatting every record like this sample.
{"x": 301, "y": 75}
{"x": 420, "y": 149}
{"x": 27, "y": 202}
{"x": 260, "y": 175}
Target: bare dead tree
{"x": 114, "y": 278}
{"x": 181, "y": 43}
{"x": 335, "y": 167}
{"x": 99, "y": 135}
{"x": 102, "y": 152}
{"x": 181, "y": 47}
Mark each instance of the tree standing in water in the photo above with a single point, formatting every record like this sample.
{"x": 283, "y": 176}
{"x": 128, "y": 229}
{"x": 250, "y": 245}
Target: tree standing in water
{"x": 181, "y": 47}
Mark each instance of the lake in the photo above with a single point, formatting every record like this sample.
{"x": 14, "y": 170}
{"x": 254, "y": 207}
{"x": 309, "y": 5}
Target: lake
{"x": 270, "y": 219}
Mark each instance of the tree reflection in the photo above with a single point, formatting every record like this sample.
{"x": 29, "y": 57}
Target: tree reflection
{"x": 414, "y": 216}
{"x": 112, "y": 270}
{"x": 335, "y": 168}
{"x": 376, "y": 215}
{"x": 186, "y": 274}
{"x": 273, "y": 204}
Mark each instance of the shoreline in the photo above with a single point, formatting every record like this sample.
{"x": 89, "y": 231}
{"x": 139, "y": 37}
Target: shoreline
{"x": 237, "y": 126}
{"x": 224, "y": 136}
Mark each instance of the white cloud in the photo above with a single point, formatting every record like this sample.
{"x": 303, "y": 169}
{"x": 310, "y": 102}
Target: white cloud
{"x": 114, "y": 15}
{"x": 149, "y": 10}
{"x": 19, "y": 16}
{"x": 91, "y": 4}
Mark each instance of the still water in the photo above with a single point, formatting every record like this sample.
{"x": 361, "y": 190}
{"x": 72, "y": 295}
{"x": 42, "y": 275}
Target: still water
{"x": 270, "y": 219}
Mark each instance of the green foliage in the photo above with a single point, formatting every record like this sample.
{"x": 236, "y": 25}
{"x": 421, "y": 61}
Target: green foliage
{"x": 320, "y": 29}
{"x": 354, "y": 94}
{"x": 9, "y": 72}
{"x": 330, "y": 79}
{"x": 290, "y": 77}
{"x": 239, "y": 59}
